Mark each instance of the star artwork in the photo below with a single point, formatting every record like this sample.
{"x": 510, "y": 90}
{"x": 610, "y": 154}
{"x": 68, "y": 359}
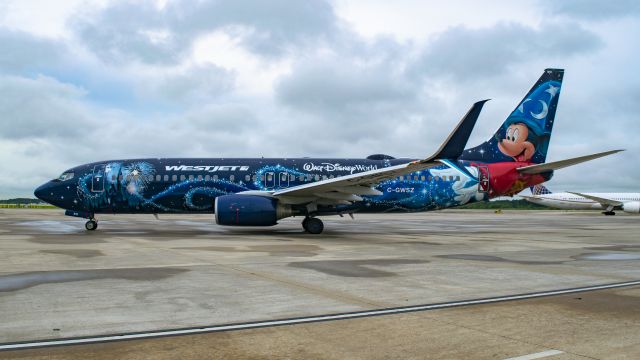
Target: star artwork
{"x": 553, "y": 90}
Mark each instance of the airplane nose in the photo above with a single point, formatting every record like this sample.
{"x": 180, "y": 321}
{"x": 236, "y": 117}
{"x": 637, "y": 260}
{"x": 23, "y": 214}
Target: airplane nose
{"x": 41, "y": 191}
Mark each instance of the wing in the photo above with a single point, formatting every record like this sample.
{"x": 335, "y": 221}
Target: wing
{"x": 603, "y": 201}
{"x": 527, "y": 197}
{"x": 348, "y": 188}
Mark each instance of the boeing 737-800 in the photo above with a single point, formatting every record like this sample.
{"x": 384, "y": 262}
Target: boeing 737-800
{"x": 259, "y": 192}
{"x": 607, "y": 202}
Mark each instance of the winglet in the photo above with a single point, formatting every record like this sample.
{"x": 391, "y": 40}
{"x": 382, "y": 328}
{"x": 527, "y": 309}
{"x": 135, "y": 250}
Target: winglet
{"x": 453, "y": 147}
{"x": 555, "y": 165}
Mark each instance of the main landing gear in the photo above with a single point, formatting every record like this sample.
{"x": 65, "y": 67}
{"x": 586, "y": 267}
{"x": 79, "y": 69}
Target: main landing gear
{"x": 610, "y": 213}
{"x": 312, "y": 225}
{"x": 91, "y": 225}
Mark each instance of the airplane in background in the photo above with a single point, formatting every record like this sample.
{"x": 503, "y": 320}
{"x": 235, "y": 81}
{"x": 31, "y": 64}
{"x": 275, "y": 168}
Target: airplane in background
{"x": 259, "y": 192}
{"x": 627, "y": 202}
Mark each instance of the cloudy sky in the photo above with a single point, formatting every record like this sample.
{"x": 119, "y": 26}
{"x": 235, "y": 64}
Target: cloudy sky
{"x": 82, "y": 81}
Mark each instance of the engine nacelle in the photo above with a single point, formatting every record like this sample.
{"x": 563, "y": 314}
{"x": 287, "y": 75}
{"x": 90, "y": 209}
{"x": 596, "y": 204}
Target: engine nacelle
{"x": 631, "y": 207}
{"x": 249, "y": 210}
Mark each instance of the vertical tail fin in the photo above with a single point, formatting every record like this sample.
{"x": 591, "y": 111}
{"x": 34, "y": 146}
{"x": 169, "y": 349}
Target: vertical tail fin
{"x": 525, "y": 134}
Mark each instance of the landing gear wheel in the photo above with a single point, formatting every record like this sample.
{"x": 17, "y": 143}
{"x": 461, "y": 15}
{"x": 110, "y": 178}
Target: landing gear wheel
{"x": 91, "y": 225}
{"x": 313, "y": 225}
{"x": 609, "y": 213}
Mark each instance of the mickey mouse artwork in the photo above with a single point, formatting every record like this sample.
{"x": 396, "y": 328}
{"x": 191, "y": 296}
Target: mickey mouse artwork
{"x": 516, "y": 143}
{"x": 527, "y": 130}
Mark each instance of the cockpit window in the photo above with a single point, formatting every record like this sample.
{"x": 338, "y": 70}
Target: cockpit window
{"x": 66, "y": 176}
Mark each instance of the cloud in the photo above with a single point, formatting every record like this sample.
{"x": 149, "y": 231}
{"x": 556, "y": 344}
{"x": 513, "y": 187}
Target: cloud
{"x": 40, "y": 107}
{"x": 465, "y": 53}
{"x": 146, "y": 32}
{"x": 336, "y": 87}
{"x": 195, "y": 84}
{"x": 23, "y": 51}
{"x": 593, "y": 9}
{"x": 127, "y": 31}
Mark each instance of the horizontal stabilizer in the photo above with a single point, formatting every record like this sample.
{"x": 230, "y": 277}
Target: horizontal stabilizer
{"x": 555, "y": 165}
{"x": 603, "y": 201}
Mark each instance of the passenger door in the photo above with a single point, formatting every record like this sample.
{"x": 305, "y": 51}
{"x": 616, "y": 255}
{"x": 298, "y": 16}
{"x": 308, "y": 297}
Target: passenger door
{"x": 97, "y": 180}
{"x": 269, "y": 180}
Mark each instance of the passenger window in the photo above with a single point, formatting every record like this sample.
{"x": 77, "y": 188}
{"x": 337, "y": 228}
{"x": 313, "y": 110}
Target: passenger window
{"x": 253, "y": 177}
{"x": 261, "y": 177}
{"x": 415, "y": 177}
{"x": 458, "y": 178}
{"x": 292, "y": 178}
{"x": 190, "y": 177}
{"x": 166, "y": 178}
{"x": 317, "y": 177}
{"x": 174, "y": 178}
{"x": 215, "y": 177}
{"x": 199, "y": 177}
{"x": 301, "y": 178}
{"x": 232, "y": 178}
{"x": 324, "y": 177}
{"x": 269, "y": 177}
{"x": 207, "y": 177}
{"x": 182, "y": 178}
{"x": 247, "y": 178}
{"x": 422, "y": 178}
{"x": 283, "y": 177}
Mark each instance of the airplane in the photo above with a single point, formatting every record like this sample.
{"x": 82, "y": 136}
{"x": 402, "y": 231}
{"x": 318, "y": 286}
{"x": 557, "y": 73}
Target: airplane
{"x": 627, "y": 202}
{"x": 260, "y": 191}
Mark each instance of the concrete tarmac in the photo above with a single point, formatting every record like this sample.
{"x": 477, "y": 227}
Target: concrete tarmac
{"x": 136, "y": 273}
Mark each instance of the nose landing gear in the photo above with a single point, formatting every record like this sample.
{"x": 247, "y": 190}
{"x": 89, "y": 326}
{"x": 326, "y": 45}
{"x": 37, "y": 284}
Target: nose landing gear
{"x": 91, "y": 225}
{"x": 312, "y": 225}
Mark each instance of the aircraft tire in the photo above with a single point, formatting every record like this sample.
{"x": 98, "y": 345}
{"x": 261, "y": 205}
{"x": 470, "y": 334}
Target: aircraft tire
{"x": 609, "y": 213}
{"x": 314, "y": 226}
{"x": 91, "y": 225}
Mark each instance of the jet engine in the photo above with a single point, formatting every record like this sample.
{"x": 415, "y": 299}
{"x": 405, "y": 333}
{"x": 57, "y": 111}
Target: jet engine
{"x": 249, "y": 210}
{"x": 631, "y": 207}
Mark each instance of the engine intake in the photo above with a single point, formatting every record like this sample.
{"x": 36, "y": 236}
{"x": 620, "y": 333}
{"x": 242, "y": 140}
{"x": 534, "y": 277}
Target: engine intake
{"x": 249, "y": 210}
{"x": 631, "y": 207}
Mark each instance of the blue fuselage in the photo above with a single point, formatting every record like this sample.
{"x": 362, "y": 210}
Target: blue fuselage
{"x": 191, "y": 185}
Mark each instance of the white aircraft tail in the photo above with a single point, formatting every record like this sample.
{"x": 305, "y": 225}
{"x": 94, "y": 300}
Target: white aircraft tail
{"x": 539, "y": 190}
